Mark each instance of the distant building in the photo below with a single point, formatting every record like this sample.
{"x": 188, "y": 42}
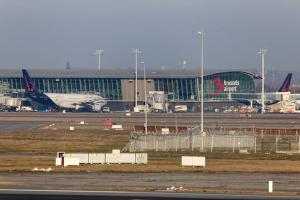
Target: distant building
{"x": 118, "y": 84}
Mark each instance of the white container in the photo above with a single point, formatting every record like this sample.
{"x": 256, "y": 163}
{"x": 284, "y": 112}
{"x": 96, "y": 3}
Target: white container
{"x": 194, "y": 161}
{"x": 141, "y": 158}
{"x": 111, "y": 158}
{"x": 187, "y": 161}
{"x": 58, "y": 162}
{"x": 96, "y": 158}
{"x": 83, "y": 157}
{"x": 126, "y": 158}
{"x": 199, "y": 161}
{"x": 72, "y": 128}
{"x": 67, "y": 162}
{"x": 122, "y": 158}
{"x": 71, "y": 161}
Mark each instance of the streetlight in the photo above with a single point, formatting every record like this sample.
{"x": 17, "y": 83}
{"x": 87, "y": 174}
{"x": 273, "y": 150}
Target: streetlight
{"x": 146, "y": 105}
{"x": 99, "y": 52}
{"x": 201, "y": 34}
{"x": 263, "y": 52}
{"x": 136, "y": 51}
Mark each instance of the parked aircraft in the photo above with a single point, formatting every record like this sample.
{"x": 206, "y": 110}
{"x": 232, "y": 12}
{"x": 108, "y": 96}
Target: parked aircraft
{"x": 72, "y": 101}
{"x": 285, "y": 87}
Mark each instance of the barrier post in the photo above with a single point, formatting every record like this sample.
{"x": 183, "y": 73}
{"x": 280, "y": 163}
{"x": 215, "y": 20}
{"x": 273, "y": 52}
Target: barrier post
{"x": 212, "y": 143}
{"x": 270, "y": 186}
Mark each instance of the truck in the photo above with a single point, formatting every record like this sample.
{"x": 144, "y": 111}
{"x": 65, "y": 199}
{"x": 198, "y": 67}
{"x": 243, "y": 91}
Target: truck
{"x": 106, "y": 109}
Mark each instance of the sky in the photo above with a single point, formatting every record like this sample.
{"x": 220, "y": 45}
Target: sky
{"x": 49, "y": 33}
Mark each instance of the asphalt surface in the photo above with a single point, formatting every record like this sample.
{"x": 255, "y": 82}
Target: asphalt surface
{"x": 244, "y": 182}
{"x": 94, "y": 195}
{"x": 18, "y": 121}
{"x": 11, "y": 126}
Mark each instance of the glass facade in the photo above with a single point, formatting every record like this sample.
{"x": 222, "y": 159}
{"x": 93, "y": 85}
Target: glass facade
{"x": 109, "y": 88}
{"x": 218, "y": 86}
{"x": 229, "y": 85}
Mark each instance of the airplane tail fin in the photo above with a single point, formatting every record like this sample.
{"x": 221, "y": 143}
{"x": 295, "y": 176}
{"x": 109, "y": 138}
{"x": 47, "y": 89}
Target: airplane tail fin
{"x": 28, "y": 83}
{"x": 285, "y": 87}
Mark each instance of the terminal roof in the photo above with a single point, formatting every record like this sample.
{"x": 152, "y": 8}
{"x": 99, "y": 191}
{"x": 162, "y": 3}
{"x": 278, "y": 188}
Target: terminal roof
{"x": 113, "y": 73}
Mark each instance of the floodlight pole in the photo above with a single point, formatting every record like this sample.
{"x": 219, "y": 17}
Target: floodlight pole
{"x": 262, "y": 52}
{"x": 136, "y": 51}
{"x": 99, "y": 52}
{"x": 201, "y": 34}
{"x": 146, "y": 105}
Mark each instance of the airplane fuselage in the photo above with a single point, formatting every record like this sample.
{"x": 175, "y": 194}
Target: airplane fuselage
{"x": 77, "y": 101}
{"x": 69, "y": 101}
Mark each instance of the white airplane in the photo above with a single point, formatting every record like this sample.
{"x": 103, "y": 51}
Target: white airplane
{"x": 66, "y": 101}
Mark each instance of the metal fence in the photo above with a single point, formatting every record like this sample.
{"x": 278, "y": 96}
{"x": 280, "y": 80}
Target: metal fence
{"x": 192, "y": 142}
{"x": 230, "y": 141}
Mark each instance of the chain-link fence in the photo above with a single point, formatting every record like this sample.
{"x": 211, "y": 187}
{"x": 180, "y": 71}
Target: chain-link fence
{"x": 229, "y": 141}
{"x": 192, "y": 142}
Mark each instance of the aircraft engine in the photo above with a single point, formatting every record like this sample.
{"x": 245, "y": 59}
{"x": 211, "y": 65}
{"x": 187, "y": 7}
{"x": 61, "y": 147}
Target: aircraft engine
{"x": 77, "y": 107}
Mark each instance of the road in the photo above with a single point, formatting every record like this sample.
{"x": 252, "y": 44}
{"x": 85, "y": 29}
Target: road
{"x": 18, "y": 121}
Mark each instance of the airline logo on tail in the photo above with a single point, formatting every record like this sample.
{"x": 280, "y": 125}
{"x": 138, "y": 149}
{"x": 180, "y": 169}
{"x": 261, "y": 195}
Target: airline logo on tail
{"x": 286, "y": 84}
{"x": 29, "y": 86}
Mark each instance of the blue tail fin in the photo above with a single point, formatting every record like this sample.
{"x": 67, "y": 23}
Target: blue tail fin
{"x": 28, "y": 83}
{"x": 286, "y": 84}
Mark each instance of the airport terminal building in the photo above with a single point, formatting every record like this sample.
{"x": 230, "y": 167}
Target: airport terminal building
{"x": 119, "y": 84}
